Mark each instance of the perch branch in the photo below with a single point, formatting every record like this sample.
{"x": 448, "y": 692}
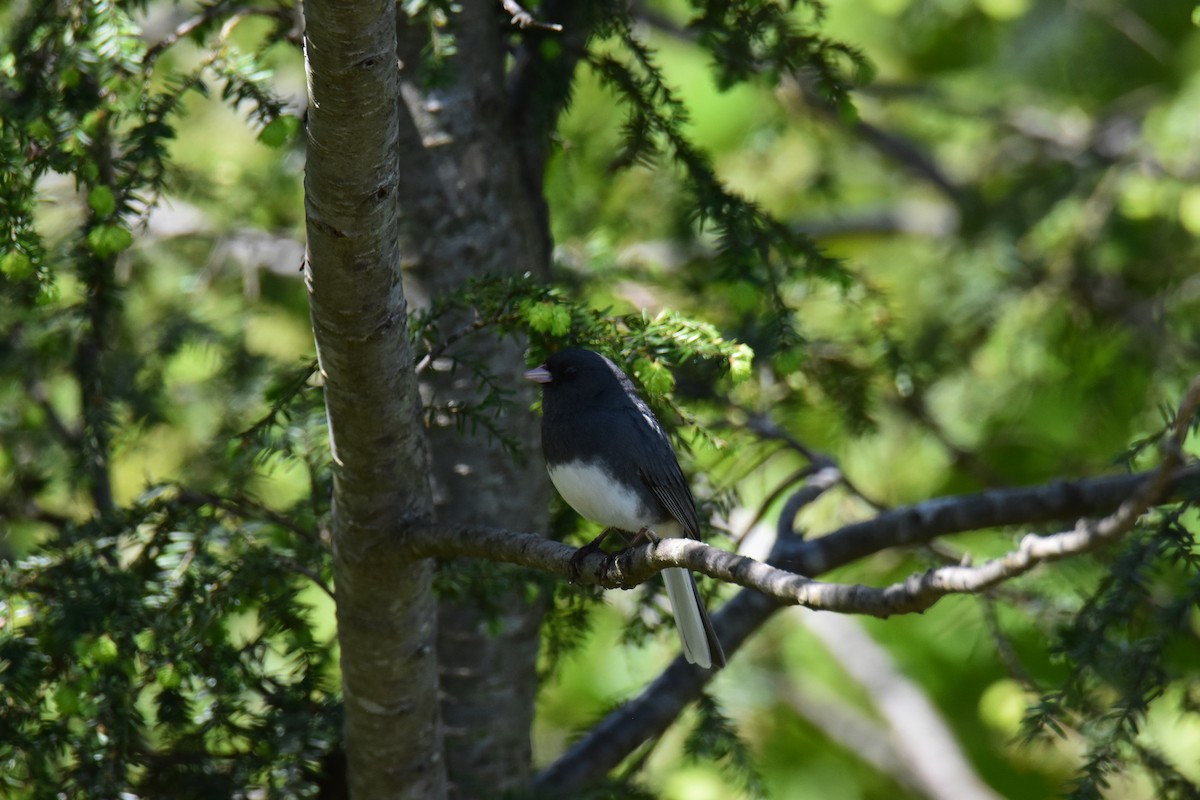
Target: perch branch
{"x": 784, "y": 580}
{"x": 648, "y": 715}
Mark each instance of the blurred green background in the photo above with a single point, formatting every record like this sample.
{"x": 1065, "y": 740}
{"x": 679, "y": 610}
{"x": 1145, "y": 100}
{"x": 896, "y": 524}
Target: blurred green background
{"x": 1017, "y": 200}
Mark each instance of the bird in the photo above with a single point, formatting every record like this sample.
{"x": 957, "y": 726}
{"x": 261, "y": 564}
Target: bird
{"x": 610, "y": 460}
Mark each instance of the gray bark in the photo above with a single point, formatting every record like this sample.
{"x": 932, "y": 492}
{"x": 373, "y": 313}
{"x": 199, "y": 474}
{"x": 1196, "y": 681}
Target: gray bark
{"x": 470, "y": 209}
{"x": 385, "y": 609}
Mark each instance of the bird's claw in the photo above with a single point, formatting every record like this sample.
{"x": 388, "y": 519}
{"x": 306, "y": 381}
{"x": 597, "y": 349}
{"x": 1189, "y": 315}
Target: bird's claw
{"x": 575, "y": 566}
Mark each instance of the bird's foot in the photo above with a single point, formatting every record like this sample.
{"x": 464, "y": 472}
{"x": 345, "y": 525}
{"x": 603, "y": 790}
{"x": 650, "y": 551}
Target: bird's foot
{"x": 575, "y": 567}
{"x": 644, "y": 535}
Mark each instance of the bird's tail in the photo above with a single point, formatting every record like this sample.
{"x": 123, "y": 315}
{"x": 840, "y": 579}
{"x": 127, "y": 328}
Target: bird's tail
{"x": 700, "y": 644}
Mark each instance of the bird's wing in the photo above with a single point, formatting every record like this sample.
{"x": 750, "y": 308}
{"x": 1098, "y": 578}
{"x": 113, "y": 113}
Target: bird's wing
{"x": 673, "y": 492}
{"x": 661, "y": 472}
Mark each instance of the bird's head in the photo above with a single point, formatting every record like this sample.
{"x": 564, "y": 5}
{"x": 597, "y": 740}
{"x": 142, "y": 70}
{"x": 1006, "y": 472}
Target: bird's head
{"x": 575, "y": 373}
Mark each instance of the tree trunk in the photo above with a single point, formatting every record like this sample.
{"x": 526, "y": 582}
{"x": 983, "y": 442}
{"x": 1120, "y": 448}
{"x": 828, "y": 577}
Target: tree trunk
{"x": 470, "y": 211}
{"x": 385, "y": 606}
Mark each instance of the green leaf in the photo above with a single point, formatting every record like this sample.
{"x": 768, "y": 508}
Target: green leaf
{"x": 279, "y": 131}
{"x": 560, "y": 321}
{"x": 40, "y": 129}
{"x": 654, "y": 376}
{"x": 70, "y": 78}
{"x": 743, "y": 296}
{"x": 1004, "y": 10}
{"x": 104, "y": 650}
{"x": 66, "y": 699}
{"x": 48, "y": 294}
{"x": 741, "y": 362}
{"x": 790, "y": 361}
{"x": 101, "y": 201}
{"x": 548, "y": 318}
{"x": 1189, "y": 210}
{"x": 108, "y": 240}
{"x": 16, "y": 265}
{"x": 168, "y": 677}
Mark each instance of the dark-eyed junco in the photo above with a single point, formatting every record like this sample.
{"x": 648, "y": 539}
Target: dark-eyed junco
{"x": 610, "y": 459}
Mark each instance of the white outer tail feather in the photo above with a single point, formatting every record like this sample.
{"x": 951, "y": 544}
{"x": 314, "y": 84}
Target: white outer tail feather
{"x": 681, "y": 589}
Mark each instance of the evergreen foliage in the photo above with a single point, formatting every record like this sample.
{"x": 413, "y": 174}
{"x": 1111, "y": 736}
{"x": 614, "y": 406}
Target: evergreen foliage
{"x": 165, "y": 633}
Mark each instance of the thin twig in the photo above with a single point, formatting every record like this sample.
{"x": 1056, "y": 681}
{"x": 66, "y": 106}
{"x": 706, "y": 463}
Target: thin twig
{"x": 1007, "y": 653}
{"x": 767, "y": 428}
{"x": 436, "y": 351}
{"x": 917, "y": 409}
{"x": 244, "y": 508}
{"x": 37, "y": 390}
{"x": 208, "y": 14}
{"x": 286, "y": 394}
{"x": 779, "y": 491}
{"x": 295, "y": 566}
{"x": 1034, "y": 550}
{"x": 523, "y": 19}
{"x": 814, "y": 486}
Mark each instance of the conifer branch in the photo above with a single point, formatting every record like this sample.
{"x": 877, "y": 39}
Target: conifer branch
{"x": 1133, "y": 495}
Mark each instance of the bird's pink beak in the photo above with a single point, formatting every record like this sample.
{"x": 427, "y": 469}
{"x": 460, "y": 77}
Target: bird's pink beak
{"x": 538, "y": 375}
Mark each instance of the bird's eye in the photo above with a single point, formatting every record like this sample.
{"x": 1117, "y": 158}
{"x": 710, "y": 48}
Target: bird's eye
{"x": 569, "y": 372}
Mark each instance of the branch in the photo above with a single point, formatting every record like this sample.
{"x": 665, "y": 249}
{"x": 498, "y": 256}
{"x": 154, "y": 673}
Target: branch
{"x": 1133, "y": 494}
{"x": 648, "y": 715}
{"x": 767, "y": 428}
{"x": 523, "y": 19}
{"x": 435, "y": 351}
{"x": 842, "y": 722}
{"x": 89, "y": 363}
{"x": 207, "y": 15}
{"x": 905, "y": 152}
{"x": 921, "y": 591}
{"x": 923, "y": 751}
{"x": 539, "y": 86}
{"x": 246, "y": 509}
{"x": 36, "y": 389}
{"x": 994, "y": 508}
{"x": 892, "y": 145}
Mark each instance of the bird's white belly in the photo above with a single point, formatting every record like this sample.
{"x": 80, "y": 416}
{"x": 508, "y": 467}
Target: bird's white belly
{"x": 596, "y": 495}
